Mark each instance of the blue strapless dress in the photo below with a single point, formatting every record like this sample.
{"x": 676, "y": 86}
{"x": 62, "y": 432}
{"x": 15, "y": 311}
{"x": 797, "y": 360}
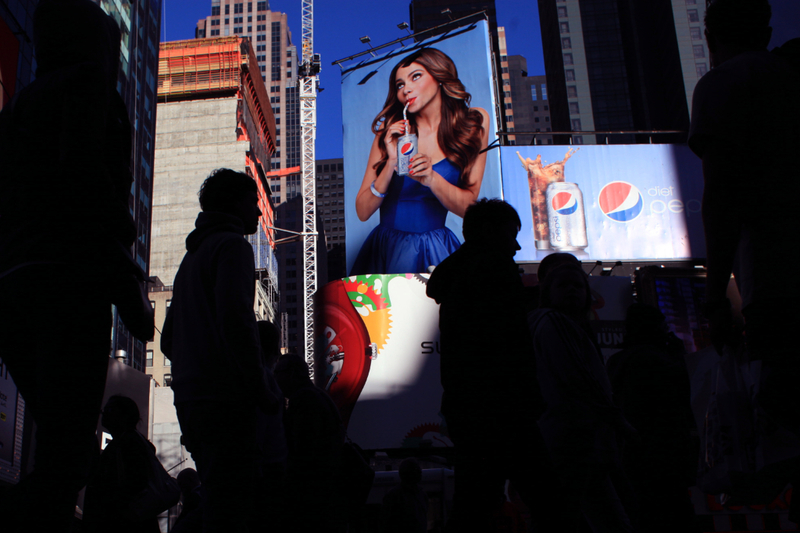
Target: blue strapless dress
{"x": 411, "y": 235}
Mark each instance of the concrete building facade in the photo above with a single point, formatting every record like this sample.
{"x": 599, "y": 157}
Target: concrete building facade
{"x": 277, "y": 61}
{"x": 213, "y": 113}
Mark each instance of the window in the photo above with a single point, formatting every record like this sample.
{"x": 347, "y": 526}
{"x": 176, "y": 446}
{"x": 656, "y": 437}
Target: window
{"x": 547, "y": 119}
{"x": 564, "y": 27}
{"x": 536, "y": 119}
{"x": 576, "y": 124}
{"x": 574, "y": 108}
{"x": 572, "y": 91}
{"x": 152, "y": 304}
{"x": 569, "y": 74}
{"x": 237, "y": 30}
{"x": 167, "y": 362}
{"x": 566, "y": 43}
{"x": 238, "y": 8}
{"x": 249, "y": 7}
{"x": 700, "y": 69}
{"x": 261, "y": 27}
{"x": 697, "y": 34}
{"x": 214, "y": 32}
{"x": 693, "y": 15}
{"x": 691, "y": 2}
{"x": 261, "y": 17}
{"x": 215, "y": 22}
{"x": 261, "y": 38}
{"x": 227, "y": 9}
{"x": 562, "y": 12}
{"x": 699, "y": 51}
{"x": 568, "y": 59}
{"x": 237, "y": 20}
{"x": 215, "y": 11}
{"x": 167, "y": 380}
{"x": 169, "y": 303}
{"x": 536, "y": 108}
{"x": 149, "y": 358}
{"x": 544, "y": 92}
{"x": 577, "y": 139}
{"x": 261, "y": 6}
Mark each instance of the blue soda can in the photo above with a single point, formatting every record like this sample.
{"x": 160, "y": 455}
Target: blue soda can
{"x": 566, "y": 217}
{"x": 406, "y": 149}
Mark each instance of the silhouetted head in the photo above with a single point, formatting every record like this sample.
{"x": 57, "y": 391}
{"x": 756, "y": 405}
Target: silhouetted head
{"x": 493, "y": 225}
{"x": 291, "y": 373}
{"x": 121, "y": 414}
{"x": 554, "y": 261}
{"x": 645, "y": 324}
{"x": 188, "y": 480}
{"x": 566, "y": 289}
{"x": 736, "y": 26}
{"x": 234, "y": 193}
{"x": 70, "y": 32}
{"x": 270, "y": 342}
{"x": 410, "y": 472}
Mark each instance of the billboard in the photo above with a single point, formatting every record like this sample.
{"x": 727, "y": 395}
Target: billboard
{"x": 613, "y": 202}
{"x": 414, "y": 217}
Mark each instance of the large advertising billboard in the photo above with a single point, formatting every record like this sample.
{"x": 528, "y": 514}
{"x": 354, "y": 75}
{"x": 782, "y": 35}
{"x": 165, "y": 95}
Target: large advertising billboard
{"x": 419, "y": 225}
{"x": 613, "y": 202}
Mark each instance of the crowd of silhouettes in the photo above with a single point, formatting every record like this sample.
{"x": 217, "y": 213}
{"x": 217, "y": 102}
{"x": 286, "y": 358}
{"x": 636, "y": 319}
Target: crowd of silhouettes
{"x": 527, "y": 394}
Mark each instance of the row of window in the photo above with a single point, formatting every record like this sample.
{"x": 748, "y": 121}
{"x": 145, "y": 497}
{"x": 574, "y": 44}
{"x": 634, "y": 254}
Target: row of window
{"x": 239, "y": 8}
{"x": 149, "y": 359}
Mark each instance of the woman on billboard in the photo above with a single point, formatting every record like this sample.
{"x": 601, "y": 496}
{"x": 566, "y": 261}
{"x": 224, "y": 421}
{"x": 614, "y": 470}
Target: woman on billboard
{"x": 444, "y": 175}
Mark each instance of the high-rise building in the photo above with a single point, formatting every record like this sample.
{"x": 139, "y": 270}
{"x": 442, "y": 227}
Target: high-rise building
{"x": 622, "y": 65}
{"x": 277, "y": 61}
{"x": 139, "y": 23}
{"x": 287, "y": 190}
{"x": 530, "y": 103}
{"x": 330, "y": 206}
{"x": 213, "y": 112}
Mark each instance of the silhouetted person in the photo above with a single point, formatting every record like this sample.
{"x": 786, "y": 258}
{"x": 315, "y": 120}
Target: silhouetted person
{"x": 271, "y": 440}
{"x": 549, "y": 262}
{"x": 65, "y": 232}
{"x": 581, "y": 422}
{"x": 405, "y": 507}
{"x": 121, "y": 474}
{"x": 210, "y": 335}
{"x": 651, "y": 386}
{"x": 744, "y": 171}
{"x": 315, "y": 435}
{"x": 189, "y": 482}
{"x": 491, "y": 396}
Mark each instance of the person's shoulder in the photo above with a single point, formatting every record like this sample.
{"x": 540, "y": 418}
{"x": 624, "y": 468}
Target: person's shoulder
{"x": 484, "y": 114}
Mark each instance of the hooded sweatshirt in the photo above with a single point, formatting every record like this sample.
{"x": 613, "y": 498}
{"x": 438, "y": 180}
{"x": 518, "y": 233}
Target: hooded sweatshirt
{"x": 210, "y": 334}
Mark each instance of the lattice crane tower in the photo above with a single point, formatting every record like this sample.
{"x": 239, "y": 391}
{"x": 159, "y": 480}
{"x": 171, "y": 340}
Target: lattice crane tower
{"x": 309, "y": 81}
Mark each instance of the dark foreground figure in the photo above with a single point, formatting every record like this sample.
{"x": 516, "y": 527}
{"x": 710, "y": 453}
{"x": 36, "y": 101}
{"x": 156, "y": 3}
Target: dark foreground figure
{"x": 64, "y": 231}
{"x": 488, "y": 373}
{"x": 210, "y": 335}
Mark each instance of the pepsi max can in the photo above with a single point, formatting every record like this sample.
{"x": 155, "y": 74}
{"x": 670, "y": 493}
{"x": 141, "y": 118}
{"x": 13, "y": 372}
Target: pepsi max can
{"x": 406, "y": 149}
{"x": 565, "y": 216}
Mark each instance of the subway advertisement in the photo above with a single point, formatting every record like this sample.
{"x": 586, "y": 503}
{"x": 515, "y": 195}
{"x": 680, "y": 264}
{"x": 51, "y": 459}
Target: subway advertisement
{"x": 614, "y": 202}
{"x": 429, "y": 97}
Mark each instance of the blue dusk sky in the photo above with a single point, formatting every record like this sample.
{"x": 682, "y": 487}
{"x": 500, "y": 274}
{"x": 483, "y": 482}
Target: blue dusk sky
{"x": 337, "y": 28}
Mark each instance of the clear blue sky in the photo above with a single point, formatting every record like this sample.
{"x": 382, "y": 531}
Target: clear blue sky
{"x": 337, "y": 28}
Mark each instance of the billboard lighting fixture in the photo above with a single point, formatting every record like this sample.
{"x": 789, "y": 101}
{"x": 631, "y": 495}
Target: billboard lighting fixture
{"x": 448, "y": 13}
{"x": 365, "y": 39}
{"x": 404, "y": 26}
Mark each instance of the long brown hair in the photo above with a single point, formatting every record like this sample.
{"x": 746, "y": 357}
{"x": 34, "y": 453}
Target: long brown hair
{"x": 460, "y": 128}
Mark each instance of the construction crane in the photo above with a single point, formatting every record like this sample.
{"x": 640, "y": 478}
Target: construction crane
{"x": 309, "y": 81}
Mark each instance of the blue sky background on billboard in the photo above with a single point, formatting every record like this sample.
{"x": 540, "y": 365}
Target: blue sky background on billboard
{"x": 337, "y": 28}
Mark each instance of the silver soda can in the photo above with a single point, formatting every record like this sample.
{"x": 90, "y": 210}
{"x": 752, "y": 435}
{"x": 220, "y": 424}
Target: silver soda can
{"x": 406, "y": 149}
{"x": 566, "y": 217}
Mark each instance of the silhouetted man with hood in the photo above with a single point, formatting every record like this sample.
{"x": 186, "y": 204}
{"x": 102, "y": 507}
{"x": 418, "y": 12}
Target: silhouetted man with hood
{"x": 211, "y": 337}
{"x": 491, "y": 395}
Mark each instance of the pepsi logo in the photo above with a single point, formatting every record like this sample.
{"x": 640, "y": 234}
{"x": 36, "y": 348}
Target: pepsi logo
{"x": 620, "y": 201}
{"x": 564, "y": 203}
{"x": 407, "y": 149}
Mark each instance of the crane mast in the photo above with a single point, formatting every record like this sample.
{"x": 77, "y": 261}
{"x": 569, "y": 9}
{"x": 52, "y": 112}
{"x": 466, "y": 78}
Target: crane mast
{"x": 308, "y": 80}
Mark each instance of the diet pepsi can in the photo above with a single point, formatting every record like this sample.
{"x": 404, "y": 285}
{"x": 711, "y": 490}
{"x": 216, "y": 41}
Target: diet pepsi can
{"x": 406, "y": 149}
{"x": 565, "y": 216}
